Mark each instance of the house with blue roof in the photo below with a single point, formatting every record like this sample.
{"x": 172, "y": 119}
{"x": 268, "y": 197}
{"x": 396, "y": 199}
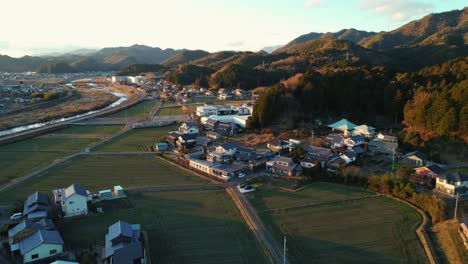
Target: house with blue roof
{"x": 25, "y": 229}
{"x": 75, "y": 200}
{"x": 42, "y": 244}
{"x": 123, "y": 244}
{"x": 37, "y": 206}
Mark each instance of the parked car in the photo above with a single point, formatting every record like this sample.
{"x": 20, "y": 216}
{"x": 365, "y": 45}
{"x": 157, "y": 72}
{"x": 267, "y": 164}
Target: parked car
{"x": 241, "y": 175}
{"x": 16, "y": 216}
{"x": 247, "y": 189}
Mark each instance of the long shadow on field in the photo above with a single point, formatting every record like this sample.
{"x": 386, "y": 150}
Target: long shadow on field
{"x": 183, "y": 227}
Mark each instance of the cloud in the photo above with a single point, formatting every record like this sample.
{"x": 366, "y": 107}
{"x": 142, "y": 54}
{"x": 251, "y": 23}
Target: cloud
{"x": 314, "y": 3}
{"x": 396, "y": 10}
{"x": 236, "y": 43}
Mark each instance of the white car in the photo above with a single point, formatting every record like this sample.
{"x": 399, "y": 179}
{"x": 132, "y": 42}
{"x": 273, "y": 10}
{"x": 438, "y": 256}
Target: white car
{"x": 241, "y": 175}
{"x": 16, "y": 216}
{"x": 246, "y": 189}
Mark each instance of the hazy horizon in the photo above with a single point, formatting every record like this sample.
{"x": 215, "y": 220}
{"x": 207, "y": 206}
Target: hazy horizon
{"x": 55, "y": 26}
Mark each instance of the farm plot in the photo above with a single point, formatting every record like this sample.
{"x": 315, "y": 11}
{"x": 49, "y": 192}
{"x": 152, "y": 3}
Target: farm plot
{"x": 98, "y": 172}
{"x": 139, "y": 110}
{"x": 346, "y": 225}
{"x": 20, "y": 158}
{"x": 182, "y": 227}
{"x": 135, "y": 139}
{"x": 168, "y": 111}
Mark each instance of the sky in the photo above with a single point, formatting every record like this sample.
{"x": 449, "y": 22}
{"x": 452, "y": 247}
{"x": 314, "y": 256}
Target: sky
{"x": 31, "y": 27}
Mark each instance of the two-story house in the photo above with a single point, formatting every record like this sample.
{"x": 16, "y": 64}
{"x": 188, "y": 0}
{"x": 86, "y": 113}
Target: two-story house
{"x": 37, "y": 206}
{"x": 278, "y": 146}
{"x": 282, "y": 166}
{"x": 452, "y": 183}
{"x": 75, "y": 201}
{"x": 123, "y": 244}
{"x": 188, "y": 128}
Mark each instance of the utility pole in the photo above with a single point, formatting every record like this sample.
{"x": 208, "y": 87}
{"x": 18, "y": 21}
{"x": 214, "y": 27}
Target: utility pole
{"x": 456, "y": 208}
{"x": 284, "y": 250}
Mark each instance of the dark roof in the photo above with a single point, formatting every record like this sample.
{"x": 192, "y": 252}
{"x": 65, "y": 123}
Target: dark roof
{"x": 119, "y": 229}
{"x": 128, "y": 254}
{"x": 454, "y": 177}
{"x": 36, "y": 201}
{"x": 188, "y": 136}
{"x": 230, "y": 145}
{"x": 435, "y": 169}
{"x": 211, "y": 121}
{"x": 278, "y": 142}
{"x": 38, "y": 238}
{"x": 358, "y": 138}
{"x": 44, "y": 223}
{"x": 190, "y": 124}
{"x": 246, "y": 149}
{"x": 75, "y": 189}
{"x": 358, "y": 150}
{"x": 318, "y": 151}
{"x": 417, "y": 154}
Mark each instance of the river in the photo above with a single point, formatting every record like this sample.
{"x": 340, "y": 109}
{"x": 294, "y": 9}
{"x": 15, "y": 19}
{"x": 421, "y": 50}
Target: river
{"x": 122, "y": 98}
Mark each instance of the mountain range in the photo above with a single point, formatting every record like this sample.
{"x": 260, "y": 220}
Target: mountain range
{"x": 433, "y": 39}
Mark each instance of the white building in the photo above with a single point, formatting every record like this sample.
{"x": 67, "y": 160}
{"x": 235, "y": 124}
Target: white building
{"x": 75, "y": 201}
{"x": 128, "y": 79}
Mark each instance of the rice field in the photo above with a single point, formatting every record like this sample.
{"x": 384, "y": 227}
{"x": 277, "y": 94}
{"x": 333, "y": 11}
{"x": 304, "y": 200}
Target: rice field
{"x": 135, "y": 139}
{"x": 139, "y": 110}
{"x": 181, "y": 226}
{"x": 20, "y": 158}
{"x": 328, "y": 223}
{"x": 98, "y": 172}
{"x": 168, "y": 111}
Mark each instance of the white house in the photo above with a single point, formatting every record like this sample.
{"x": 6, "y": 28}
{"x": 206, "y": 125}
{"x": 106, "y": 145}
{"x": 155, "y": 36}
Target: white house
{"x": 452, "y": 183}
{"x": 364, "y": 130}
{"x": 75, "y": 201}
{"x": 206, "y": 110}
{"x": 188, "y": 128}
{"x": 41, "y": 245}
{"x": 354, "y": 141}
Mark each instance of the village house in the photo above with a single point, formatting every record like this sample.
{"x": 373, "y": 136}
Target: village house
{"x": 123, "y": 244}
{"x": 204, "y": 144}
{"x": 354, "y": 141}
{"x": 245, "y": 154}
{"x": 211, "y": 124}
{"x": 386, "y": 138}
{"x": 223, "y": 171}
{"x": 74, "y": 201}
{"x": 186, "y": 141}
{"x": 38, "y": 205}
{"x": 188, "y": 128}
{"x": 429, "y": 172}
{"x": 364, "y": 130}
{"x": 343, "y": 126}
{"x": 310, "y": 162}
{"x": 26, "y": 228}
{"x": 324, "y": 155}
{"x": 377, "y": 146}
{"x": 223, "y": 152}
{"x": 42, "y": 244}
{"x": 416, "y": 158}
{"x": 282, "y": 166}
{"x": 213, "y": 135}
{"x": 452, "y": 183}
{"x": 336, "y": 141}
{"x": 279, "y": 147}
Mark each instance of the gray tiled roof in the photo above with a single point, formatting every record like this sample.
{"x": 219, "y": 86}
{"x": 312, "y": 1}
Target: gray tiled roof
{"x": 120, "y": 228}
{"x": 75, "y": 189}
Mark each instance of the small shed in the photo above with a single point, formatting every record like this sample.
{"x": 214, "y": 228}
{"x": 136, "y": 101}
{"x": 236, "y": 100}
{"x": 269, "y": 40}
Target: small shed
{"x": 118, "y": 191}
{"x": 105, "y": 194}
{"x": 162, "y": 146}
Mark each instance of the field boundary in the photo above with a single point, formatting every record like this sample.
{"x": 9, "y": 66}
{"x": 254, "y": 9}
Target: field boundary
{"x": 422, "y": 232}
{"x": 324, "y": 203}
